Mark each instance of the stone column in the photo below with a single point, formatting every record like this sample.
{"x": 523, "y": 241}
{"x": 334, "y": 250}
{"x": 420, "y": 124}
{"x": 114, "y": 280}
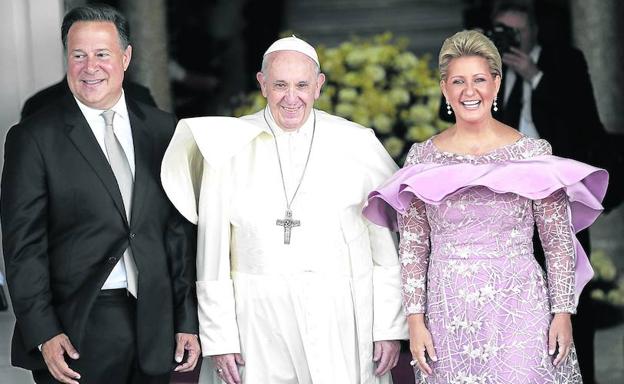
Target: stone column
{"x": 598, "y": 31}
{"x": 150, "y": 54}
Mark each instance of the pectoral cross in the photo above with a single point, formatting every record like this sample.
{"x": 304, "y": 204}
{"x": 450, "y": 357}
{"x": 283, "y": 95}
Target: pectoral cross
{"x": 288, "y": 223}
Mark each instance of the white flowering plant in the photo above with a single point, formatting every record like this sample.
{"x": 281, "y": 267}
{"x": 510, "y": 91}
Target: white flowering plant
{"x": 377, "y": 83}
{"x": 607, "y": 290}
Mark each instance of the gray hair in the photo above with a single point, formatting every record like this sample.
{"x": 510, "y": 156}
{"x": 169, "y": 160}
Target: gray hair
{"x": 266, "y": 61}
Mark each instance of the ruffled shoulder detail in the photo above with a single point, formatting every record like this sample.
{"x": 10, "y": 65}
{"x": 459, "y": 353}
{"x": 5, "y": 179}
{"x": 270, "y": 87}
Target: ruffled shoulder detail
{"x": 534, "y": 178}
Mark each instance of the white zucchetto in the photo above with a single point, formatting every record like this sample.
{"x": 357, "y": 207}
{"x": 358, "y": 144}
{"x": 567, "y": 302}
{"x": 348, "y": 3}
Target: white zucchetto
{"x": 293, "y": 43}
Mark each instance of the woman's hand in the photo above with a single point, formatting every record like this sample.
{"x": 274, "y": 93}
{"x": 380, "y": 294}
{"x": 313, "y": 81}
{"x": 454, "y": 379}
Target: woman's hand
{"x": 560, "y": 337}
{"x": 420, "y": 342}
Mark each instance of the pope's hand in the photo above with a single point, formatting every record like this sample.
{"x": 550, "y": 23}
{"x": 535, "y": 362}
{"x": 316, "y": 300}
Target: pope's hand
{"x": 226, "y": 367}
{"x": 186, "y": 342}
{"x": 53, "y": 352}
{"x": 386, "y": 355}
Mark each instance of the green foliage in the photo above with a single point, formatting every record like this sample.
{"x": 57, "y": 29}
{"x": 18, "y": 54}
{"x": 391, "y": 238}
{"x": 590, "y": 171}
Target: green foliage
{"x": 377, "y": 83}
{"x": 609, "y": 288}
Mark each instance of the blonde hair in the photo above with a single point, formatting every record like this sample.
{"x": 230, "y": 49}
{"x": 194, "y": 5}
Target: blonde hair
{"x": 469, "y": 43}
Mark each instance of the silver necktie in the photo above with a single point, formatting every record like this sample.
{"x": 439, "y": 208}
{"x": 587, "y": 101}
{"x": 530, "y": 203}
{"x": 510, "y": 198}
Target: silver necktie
{"x": 121, "y": 169}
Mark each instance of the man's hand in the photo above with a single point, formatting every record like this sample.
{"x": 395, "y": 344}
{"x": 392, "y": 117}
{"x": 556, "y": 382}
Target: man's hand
{"x": 226, "y": 367}
{"x": 521, "y": 63}
{"x": 53, "y": 351}
{"x": 186, "y": 342}
{"x": 386, "y": 355}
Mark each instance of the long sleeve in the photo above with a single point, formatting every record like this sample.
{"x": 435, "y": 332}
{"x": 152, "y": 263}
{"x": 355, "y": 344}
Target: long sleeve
{"x": 215, "y": 290}
{"x": 201, "y": 193}
{"x": 552, "y": 217}
{"x": 24, "y": 210}
{"x": 414, "y": 257}
{"x": 181, "y": 238}
{"x": 181, "y": 243}
{"x": 388, "y": 319}
{"x": 389, "y": 322}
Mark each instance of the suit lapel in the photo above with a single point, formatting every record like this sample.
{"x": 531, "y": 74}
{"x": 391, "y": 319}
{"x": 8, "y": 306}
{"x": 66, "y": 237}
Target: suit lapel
{"x": 80, "y": 134}
{"x": 142, "y": 157}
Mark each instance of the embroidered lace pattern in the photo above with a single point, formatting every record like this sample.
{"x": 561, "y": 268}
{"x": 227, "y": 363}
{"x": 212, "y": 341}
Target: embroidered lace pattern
{"x": 468, "y": 264}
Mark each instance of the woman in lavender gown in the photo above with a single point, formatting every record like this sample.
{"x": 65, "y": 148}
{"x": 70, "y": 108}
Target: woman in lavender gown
{"x": 480, "y": 309}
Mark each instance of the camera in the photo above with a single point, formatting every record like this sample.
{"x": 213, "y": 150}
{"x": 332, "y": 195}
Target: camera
{"x": 503, "y": 37}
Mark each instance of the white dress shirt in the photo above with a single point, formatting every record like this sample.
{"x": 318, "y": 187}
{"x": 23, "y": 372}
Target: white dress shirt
{"x": 121, "y": 126}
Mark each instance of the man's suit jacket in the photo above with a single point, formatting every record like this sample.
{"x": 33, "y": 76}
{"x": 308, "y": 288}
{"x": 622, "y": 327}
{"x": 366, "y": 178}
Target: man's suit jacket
{"x": 563, "y": 106}
{"x": 64, "y": 229}
{"x": 564, "y": 112}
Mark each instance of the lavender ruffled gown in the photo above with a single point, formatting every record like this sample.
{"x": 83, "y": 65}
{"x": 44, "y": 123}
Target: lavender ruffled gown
{"x": 466, "y": 225}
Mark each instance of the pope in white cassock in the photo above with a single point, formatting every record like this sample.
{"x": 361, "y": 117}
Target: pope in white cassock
{"x": 294, "y": 285}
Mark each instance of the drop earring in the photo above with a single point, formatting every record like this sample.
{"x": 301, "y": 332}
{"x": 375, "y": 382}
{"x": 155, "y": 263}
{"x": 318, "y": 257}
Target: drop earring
{"x": 495, "y": 104}
{"x": 448, "y": 108}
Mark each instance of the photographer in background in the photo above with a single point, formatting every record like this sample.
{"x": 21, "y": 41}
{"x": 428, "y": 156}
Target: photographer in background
{"x": 553, "y": 98}
{"x": 546, "y": 92}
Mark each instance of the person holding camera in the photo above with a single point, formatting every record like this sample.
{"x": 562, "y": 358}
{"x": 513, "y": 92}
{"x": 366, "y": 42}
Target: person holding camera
{"x": 547, "y": 91}
{"x": 553, "y": 98}
{"x": 548, "y": 94}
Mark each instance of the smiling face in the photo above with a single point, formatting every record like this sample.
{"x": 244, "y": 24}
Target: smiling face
{"x": 96, "y": 63}
{"x": 470, "y": 88}
{"x": 291, "y": 85}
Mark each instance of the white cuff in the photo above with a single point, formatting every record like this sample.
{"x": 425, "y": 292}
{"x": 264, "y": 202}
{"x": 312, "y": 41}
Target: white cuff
{"x": 390, "y": 322}
{"x": 218, "y": 329}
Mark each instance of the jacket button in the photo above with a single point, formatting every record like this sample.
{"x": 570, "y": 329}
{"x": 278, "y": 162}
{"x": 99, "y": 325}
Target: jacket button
{"x": 112, "y": 260}
{"x": 132, "y": 235}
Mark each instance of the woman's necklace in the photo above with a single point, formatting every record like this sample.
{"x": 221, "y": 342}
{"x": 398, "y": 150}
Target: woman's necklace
{"x": 288, "y": 222}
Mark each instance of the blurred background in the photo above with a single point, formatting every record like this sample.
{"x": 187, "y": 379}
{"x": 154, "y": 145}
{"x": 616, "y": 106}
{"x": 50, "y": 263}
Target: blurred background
{"x": 200, "y": 57}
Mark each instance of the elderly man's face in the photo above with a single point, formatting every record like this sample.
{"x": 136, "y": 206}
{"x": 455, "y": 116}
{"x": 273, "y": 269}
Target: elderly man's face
{"x": 290, "y": 86}
{"x": 96, "y": 63}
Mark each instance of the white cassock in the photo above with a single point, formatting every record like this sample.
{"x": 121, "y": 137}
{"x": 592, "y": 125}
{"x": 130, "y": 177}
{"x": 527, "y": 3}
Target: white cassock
{"x": 307, "y": 312}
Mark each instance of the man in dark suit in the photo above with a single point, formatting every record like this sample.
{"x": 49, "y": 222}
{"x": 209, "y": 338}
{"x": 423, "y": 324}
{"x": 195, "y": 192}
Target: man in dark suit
{"x": 547, "y": 90}
{"x": 100, "y": 266}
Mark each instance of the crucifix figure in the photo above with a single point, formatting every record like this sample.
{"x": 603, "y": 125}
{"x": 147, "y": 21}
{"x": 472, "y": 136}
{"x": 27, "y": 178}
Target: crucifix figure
{"x": 288, "y": 223}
